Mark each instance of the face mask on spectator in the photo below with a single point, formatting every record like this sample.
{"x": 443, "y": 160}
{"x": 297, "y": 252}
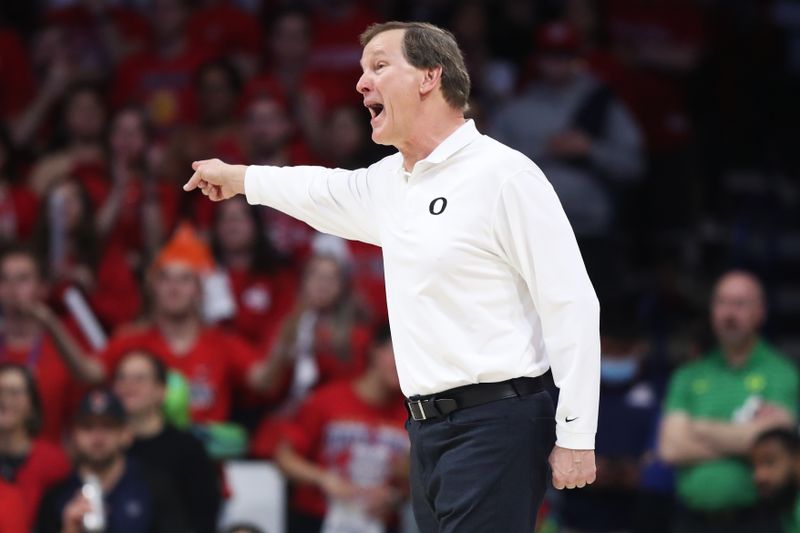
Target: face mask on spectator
{"x": 617, "y": 370}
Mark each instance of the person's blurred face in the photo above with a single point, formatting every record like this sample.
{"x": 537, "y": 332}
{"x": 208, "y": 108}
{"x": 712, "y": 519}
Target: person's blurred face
{"x": 176, "y": 290}
{"x": 344, "y": 134}
{"x": 20, "y": 284}
{"x": 268, "y": 127}
{"x": 85, "y": 116}
{"x": 556, "y": 68}
{"x": 15, "y": 404}
{"x": 291, "y": 40}
{"x": 737, "y": 309}
{"x": 99, "y": 441}
{"x": 66, "y": 199}
{"x": 217, "y": 96}
{"x": 169, "y": 19}
{"x": 773, "y": 468}
{"x": 390, "y": 86}
{"x": 128, "y": 136}
{"x": 235, "y": 228}
{"x": 323, "y": 284}
{"x": 137, "y": 386}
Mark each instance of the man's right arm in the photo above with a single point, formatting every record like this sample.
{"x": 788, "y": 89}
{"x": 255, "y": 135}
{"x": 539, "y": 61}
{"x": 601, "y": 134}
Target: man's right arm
{"x": 335, "y": 201}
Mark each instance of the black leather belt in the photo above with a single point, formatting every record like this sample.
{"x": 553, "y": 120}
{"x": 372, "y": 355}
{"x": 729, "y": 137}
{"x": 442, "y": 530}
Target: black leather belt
{"x": 443, "y": 403}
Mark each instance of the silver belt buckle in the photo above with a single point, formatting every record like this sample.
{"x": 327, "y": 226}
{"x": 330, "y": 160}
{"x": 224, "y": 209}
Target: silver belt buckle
{"x": 418, "y": 403}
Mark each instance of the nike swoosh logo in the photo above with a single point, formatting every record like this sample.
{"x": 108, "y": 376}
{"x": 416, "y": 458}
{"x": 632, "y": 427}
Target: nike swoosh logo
{"x": 570, "y": 419}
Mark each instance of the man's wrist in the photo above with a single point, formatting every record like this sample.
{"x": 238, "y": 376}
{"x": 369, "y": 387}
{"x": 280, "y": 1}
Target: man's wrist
{"x": 237, "y": 177}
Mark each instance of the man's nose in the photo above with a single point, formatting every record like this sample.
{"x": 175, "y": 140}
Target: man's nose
{"x": 363, "y": 85}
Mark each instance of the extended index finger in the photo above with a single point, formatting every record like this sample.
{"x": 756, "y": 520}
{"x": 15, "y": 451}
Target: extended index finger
{"x": 193, "y": 182}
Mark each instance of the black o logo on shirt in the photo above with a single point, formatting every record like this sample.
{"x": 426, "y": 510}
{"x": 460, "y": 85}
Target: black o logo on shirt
{"x": 438, "y": 205}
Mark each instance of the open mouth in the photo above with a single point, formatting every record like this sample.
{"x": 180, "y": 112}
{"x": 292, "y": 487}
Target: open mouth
{"x": 375, "y": 109}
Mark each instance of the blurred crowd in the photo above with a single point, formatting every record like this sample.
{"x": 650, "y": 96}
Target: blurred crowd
{"x": 147, "y": 334}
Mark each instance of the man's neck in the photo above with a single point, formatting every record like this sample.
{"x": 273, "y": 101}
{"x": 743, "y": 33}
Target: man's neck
{"x": 146, "y": 425}
{"x": 431, "y": 132}
{"x": 15, "y": 443}
{"x": 238, "y": 259}
{"x": 179, "y": 332}
{"x": 109, "y": 477}
{"x": 739, "y": 354}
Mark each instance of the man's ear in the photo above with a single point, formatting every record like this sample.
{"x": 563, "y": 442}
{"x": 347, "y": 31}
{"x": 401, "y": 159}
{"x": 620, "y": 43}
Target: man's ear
{"x": 431, "y": 78}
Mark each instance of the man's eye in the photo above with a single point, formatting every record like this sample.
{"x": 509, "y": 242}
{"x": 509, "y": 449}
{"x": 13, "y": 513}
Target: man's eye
{"x": 380, "y": 66}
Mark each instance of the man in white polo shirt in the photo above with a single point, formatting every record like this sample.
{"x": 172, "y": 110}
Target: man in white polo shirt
{"x": 485, "y": 285}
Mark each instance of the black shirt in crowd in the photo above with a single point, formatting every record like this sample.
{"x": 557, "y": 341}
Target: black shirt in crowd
{"x": 180, "y": 456}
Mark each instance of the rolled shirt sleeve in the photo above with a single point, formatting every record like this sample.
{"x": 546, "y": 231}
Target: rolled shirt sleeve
{"x": 536, "y": 239}
{"x": 335, "y": 201}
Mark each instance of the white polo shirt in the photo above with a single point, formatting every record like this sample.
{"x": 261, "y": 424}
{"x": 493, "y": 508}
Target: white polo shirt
{"x": 484, "y": 279}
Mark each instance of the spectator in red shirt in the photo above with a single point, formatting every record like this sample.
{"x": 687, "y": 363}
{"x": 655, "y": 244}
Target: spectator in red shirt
{"x": 100, "y": 33}
{"x": 263, "y": 286}
{"x": 270, "y": 140}
{"x": 217, "y": 130}
{"x": 29, "y": 464}
{"x": 33, "y": 337}
{"x": 161, "y": 78}
{"x": 346, "y": 451}
{"x": 79, "y": 133}
{"x": 66, "y": 240}
{"x": 324, "y": 340}
{"x": 15, "y": 71}
{"x": 18, "y": 204}
{"x": 134, "y": 209}
{"x": 230, "y": 31}
{"x": 215, "y": 363}
{"x": 307, "y": 89}
{"x": 12, "y": 514}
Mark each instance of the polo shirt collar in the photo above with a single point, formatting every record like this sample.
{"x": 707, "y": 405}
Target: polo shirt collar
{"x": 465, "y": 134}
{"x": 461, "y": 137}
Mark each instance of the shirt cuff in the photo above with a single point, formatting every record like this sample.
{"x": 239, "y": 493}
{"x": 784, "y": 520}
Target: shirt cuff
{"x": 251, "y": 189}
{"x": 574, "y": 441}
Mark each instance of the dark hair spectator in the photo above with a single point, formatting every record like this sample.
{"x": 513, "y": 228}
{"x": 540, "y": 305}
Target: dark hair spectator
{"x": 29, "y": 464}
{"x": 140, "y": 382}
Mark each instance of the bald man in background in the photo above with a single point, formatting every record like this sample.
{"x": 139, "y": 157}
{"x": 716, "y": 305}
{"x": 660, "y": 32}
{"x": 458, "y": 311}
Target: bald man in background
{"x": 717, "y": 406}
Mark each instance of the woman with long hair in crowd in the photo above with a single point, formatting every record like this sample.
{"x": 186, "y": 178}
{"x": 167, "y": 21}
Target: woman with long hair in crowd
{"x": 325, "y": 339}
{"x": 67, "y": 243}
{"x": 26, "y": 462}
{"x": 261, "y": 281}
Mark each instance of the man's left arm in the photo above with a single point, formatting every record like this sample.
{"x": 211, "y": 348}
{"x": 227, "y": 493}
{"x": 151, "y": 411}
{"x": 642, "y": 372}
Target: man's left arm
{"x": 537, "y": 240}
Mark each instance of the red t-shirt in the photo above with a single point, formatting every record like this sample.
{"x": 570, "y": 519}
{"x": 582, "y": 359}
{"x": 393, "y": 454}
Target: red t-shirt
{"x": 56, "y": 388}
{"x": 19, "y": 208}
{"x": 331, "y": 368}
{"x": 164, "y": 86}
{"x": 115, "y": 297}
{"x": 17, "y": 88}
{"x": 128, "y": 229}
{"x": 12, "y": 510}
{"x": 46, "y": 465}
{"x": 227, "y": 30}
{"x": 360, "y": 442}
{"x": 215, "y": 366}
{"x": 262, "y": 303}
